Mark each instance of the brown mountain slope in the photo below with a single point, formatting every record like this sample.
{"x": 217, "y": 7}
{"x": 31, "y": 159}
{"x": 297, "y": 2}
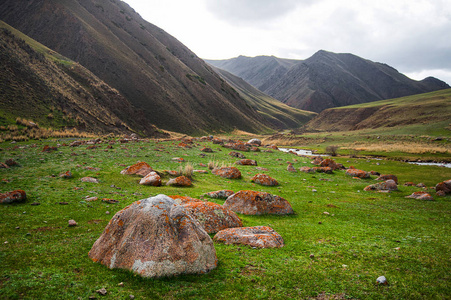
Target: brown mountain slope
{"x": 326, "y": 79}
{"x": 416, "y": 110}
{"x": 175, "y": 89}
{"x": 38, "y": 84}
{"x": 280, "y": 115}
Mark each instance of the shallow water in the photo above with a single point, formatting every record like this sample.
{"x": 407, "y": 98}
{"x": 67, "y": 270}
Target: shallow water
{"x": 445, "y": 165}
{"x": 301, "y": 152}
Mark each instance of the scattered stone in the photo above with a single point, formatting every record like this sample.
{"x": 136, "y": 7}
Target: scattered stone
{"x": 140, "y": 168}
{"x": 409, "y": 183}
{"x": 444, "y": 186}
{"x": 152, "y": 179}
{"x": 47, "y": 148}
{"x": 11, "y": 162}
{"x": 357, "y": 173}
{"x": 261, "y": 169}
{"x": 238, "y": 146}
{"x": 13, "y": 197}
{"x": 155, "y": 237}
{"x": 258, "y": 203}
{"x": 102, "y": 291}
{"x": 63, "y": 203}
{"x": 180, "y": 181}
{"x": 201, "y": 171}
{"x": 374, "y": 173}
{"x": 441, "y": 193}
{"x": 388, "y": 185}
{"x": 421, "y": 185}
{"x": 72, "y": 223}
{"x": 264, "y": 179}
{"x": 66, "y": 175}
{"x": 213, "y": 217}
{"x": 89, "y": 179}
{"x": 246, "y": 162}
{"x": 421, "y": 196}
{"x": 387, "y": 177}
{"x": 90, "y": 199}
{"x": 290, "y": 168}
{"x": 317, "y": 160}
{"x": 326, "y": 170}
{"x": 179, "y": 159}
{"x": 381, "y": 280}
{"x": 237, "y": 154}
{"x": 206, "y": 150}
{"x": 255, "y": 142}
{"x": 312, "y": 256}
{"x": 330, "y": 163}
{"x": 258, "y": 237}
{"x": 110, "y": 201}
{"x": 35, "y": 203}
{"x": 221, "y": 194}
{"x": 227, "y": 172}
{"x": 307, "y": 170}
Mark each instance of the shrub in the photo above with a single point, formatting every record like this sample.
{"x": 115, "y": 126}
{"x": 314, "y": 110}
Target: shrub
{"x": 332, "y": 150}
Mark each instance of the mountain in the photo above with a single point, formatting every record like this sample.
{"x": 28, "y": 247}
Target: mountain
{"x": 326, "y": 79}
{"x": 429, "y": 110}
{"x": 278, "y": 114}
{"x": 39, "y": 84}
{"x": 174, "y": 89}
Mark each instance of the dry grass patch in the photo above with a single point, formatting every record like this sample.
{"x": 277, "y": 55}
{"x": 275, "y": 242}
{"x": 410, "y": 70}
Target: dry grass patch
{"x": 407, "y": 147}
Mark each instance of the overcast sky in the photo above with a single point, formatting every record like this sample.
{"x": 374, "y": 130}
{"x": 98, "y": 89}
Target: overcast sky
{"x": 413, "y": 36}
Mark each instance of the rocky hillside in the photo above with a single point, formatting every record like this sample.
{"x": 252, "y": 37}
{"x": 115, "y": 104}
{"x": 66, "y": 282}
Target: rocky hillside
{"x": 38, "y": 84}
{"x": 326, "y": 79}
{"x": 418, "y": 110}
{"x": 278, "y": 114}
{"x": 157, "y": 74}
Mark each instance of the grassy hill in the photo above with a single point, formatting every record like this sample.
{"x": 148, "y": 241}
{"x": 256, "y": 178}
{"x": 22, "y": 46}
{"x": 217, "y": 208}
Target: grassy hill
{"x": 428, "y": 112}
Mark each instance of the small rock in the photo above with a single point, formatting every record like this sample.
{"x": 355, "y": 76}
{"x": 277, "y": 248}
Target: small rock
{"x": 312, "y": 256}
{"x": 381, "y": 280}
{"x": 72, "y": 223}
{"x": 102, "y": 291}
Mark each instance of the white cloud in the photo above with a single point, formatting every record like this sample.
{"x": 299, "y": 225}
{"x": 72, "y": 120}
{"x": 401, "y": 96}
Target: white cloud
{"x": 410, "y": 35}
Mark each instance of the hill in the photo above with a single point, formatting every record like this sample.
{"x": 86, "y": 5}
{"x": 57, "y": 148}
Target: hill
{"x": 39, "y": 84}
{"x": 326, "y": 79}
{"x": 278, "y": 114}
{"x": 157, "y": 74}
{"x": 432, "y": 110}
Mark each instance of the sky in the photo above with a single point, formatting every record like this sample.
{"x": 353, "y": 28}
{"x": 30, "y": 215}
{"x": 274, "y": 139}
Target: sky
{"x": 413, "y": 36}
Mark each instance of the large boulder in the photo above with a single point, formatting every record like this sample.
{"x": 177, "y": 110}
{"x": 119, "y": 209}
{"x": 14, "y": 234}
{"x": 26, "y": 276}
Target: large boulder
{"x": 227, "y": 172}
{"x": 213, "y": 217}
{"x": 140, "y": 168}
{"x": 264, "y": 179}
{"x": 444, "y": 186}
{"x": 255, "y": 142}
{"x": 330, "y": 163}
{"x": 258, "y": 203}
{"x": 152, "y": 179}
{"x": 307, "y": 170}
{"x": 183, "y": 199}
{"x": 13, "y": 197}
{"x": 258, "y": 237}
{"x": 421, "y": 195}
{"x": 155, "y": 237}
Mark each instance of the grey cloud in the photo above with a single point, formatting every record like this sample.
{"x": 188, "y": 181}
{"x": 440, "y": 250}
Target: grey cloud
{"x": 241, "y": 12}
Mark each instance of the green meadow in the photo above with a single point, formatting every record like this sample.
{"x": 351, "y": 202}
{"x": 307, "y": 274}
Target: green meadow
{"x": 338, "y": 242}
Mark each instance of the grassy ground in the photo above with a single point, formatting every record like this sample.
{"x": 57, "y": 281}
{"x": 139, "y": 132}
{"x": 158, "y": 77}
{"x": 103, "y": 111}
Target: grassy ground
{"x": 364, "y": 236}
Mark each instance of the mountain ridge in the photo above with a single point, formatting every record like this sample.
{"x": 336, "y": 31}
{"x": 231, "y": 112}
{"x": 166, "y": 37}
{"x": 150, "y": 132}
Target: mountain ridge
{"x": 326, "y": 79}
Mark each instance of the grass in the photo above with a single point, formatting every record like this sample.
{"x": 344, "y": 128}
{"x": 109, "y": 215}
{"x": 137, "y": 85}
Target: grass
{"x": 41, "y": 257}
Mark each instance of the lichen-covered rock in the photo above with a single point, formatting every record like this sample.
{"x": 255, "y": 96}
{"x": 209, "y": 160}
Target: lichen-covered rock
{"x": 246, "y": 162}
{"x": 155, "y": 237}
{"x": 152, "y": 179}
{"x": 258, "y": 237}
{"x": 180, "y": 181}
{"x": 444, "y": 186}
{"x": 307, "y": 170}
{"x": 421, "y": 196}
{"x": 140, "y": 168}
{"x": 67, "y": 175}
{"x": 388, "y": 177}
{"x": 330, "y": 163}
{"x": 89, "y": 179}
{"x": 258, "y": 203}
{"x": 357, "y": 173}
{"x": 13, "y": 197}
{"x": 207, "y": 150}
{"x": 264, "y": 179}
{"x": 327, "y": 170}
{"x": 290, "y": 168}
{"x": 227, "y": 172}
{"x": 213, "y": 217}
{"x": 317, "y": 160}
{"x": 237, "y": 154}
{"x": 388, "y": 185}
{"x": 183, "y": 199}
{"x": 221, "y": 194}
